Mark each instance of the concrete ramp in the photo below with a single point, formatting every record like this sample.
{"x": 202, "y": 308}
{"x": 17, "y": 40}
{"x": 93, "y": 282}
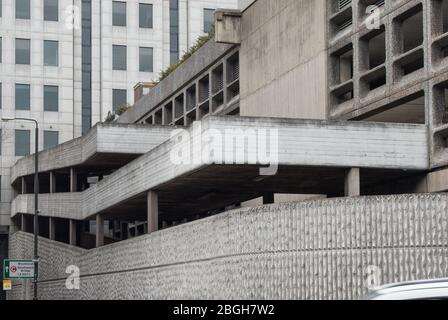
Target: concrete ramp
{"x": 295, "y": 157}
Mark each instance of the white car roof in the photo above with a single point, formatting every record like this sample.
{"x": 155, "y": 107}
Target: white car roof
{"x": 412, "y": 289}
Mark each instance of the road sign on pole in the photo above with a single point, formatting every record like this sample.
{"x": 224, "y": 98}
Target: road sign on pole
{"x": 18, "y": 269}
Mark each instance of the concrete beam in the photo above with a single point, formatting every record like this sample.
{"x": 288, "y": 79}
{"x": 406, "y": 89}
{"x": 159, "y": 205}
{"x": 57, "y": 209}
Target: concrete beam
{"x": 52, "y": 228}
{"x": 153, "y": 211}
{"x": 124, "y": 230}
{"x": 99, "y": 231}
{"x": 72, "y": 232}
{"x": 352, "y": 183}
{"x": 116, "y": 224}
{"x": 23, "y": 222}
{"x": 73, "y": 180}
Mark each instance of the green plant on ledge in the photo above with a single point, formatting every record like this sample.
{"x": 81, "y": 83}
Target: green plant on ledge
{"x": 198, "y": 44}
{"x": 111, "y": 115}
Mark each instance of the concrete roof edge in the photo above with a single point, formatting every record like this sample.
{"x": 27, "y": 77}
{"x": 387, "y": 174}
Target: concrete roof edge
{"x": 213, "y": 118}
{"x": 80, "y": 142}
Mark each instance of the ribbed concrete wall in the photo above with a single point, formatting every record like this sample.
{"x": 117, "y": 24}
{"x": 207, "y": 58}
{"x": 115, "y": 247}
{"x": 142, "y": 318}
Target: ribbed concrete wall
{"x": 312, "y": 250}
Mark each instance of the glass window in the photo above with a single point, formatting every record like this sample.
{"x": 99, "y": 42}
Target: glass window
{"x": 119, "y": 57}
{"x": 23, "y": 9}
{"x": 174, "y": 31}
{"x": 23, "y": 47}
{"x": 86, "y": 61}
{"x": 23, "y": 96}
{"x": 119, "y": 98}
{"x": 51, "y": 10}
{"x": 119, "y": 13}
{"x": 51, "y": 53}
{"x": 51, "y": 139}
{"x": 51, "y": 98}
{"x": 145, "y": 15}
{"x": 146, "y": 59}
{"x": 1, "y": 9}
{"x": 209, "y": 20}
{"x": 22, "y": 143}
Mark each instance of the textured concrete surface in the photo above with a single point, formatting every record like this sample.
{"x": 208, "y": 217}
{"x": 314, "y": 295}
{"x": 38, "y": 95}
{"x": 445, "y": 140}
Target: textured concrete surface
{"x": 228, "y": 26}
{"x": 311, "y": 250}
{"x": 437, "y": 181}
{"x": 288, "y": 39}
{"x": 427, "y": 82}
{"x": 300, "y": 143}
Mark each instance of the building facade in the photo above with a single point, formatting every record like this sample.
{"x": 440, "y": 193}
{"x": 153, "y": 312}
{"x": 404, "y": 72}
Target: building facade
{"x": 353, "y": 95}
{"x": 68, "y": 63}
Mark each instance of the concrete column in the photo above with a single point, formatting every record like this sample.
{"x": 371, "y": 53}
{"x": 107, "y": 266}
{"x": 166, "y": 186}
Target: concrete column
{"x": 24, "y": 191}
{"x": 23, "y": 222}
{"x": 116, "y": 227}
{"x": 52, "y": 182}
{"x": 124, "y": 231}
{"x": 52, "y": 228}
{"x": 72, "y": 232}
{"x": 14, "y": 227}
{"x": 73, "y": 180}
{"x": 268, "y": 198}
{"x": 153, "y": 211}
{"x": 99, "y": 231}
{"x": 352, "y": 183}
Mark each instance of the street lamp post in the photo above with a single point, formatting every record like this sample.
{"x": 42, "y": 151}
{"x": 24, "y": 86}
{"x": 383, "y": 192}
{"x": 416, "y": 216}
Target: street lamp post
{"x": 36, "y": 197}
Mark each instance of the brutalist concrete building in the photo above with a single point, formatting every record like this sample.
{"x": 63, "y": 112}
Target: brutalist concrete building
{"x": 328, "y": 126}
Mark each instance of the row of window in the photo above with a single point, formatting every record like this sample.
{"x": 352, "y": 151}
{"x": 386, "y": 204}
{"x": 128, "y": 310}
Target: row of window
{"x": 119, "y": 14}
{"x": 51, "y": 97}
{"x": 51, "y": 12}
{"x": 23, "y": 97}
{"x": 23, "y": 9}
{"x": 51, "y": 55}
{"x": 119, "y": 58}
{"x": 23, "y": 52}
{"x": 22, "y": 144}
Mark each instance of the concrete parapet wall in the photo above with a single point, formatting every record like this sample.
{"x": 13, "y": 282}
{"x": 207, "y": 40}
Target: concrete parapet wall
{"x": 310, "y": 250}
{"x": 57, "y": 205}
{"x": 103, "y": 138}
